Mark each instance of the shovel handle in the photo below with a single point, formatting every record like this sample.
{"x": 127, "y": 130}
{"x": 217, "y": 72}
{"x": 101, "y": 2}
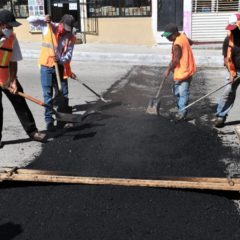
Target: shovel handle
{"x": 201, "y": 98}
{"x": 30, "y": 98}
{"x": 160, "y": 87}
{"x": 58, "y": 77}
{"x": 86, "y": 86}
{"x": 55, "y": 63}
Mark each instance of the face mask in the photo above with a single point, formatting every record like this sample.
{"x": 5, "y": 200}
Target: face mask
{"x": 7, "y": 32}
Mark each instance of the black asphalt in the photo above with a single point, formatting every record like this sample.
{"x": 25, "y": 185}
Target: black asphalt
{"x": 123, "y": 141}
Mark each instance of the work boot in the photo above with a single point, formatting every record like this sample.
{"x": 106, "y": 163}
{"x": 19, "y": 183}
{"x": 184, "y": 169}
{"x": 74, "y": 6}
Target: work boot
{"x": 50, "y": 127}
{"x": 219, "y": 122}
{"x": 69, "y": 125}
{"x": 60, "y": 125}
{"x": 38, "y": 136}
{"x": 180, "y": 117}
{"x": 64, "y": 125}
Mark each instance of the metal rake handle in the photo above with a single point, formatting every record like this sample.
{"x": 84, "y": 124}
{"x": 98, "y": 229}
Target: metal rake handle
{"x": 201, "y": 98}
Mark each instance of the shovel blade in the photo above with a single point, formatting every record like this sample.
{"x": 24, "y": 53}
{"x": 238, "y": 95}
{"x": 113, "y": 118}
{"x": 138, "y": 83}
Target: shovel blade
{"x": 59, "y": 100}
{"x": 67, "y": 117}
{"x": 72, "y": 118}
{"x": 153, "y": 106}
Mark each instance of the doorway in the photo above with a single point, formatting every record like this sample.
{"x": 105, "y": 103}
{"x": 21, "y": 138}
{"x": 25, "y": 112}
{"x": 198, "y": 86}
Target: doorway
{"x": 170, "y": 11}
{"x": 61, "y": 7}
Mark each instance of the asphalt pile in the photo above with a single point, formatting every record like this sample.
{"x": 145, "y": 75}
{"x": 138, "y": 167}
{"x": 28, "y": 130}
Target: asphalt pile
{"x": 123, "y": 141}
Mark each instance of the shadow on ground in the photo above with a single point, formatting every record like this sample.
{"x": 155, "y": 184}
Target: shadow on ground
{"x": 9, "y": 230}
{"x": 123, "y": 141}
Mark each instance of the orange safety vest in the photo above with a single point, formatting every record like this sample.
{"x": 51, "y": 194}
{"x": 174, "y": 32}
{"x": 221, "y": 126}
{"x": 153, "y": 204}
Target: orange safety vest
{"x": 67, "y": 70}
{"x": 47, "y": 53}
{"x": 230, "y": 64}
{"x": 187, "y": 66}
{"x": 6, "y": 49}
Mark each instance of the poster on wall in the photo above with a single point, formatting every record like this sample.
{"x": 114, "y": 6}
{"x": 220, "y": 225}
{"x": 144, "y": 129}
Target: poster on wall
{"x": 35, "y": 8}
{"x": 72, "y": 6}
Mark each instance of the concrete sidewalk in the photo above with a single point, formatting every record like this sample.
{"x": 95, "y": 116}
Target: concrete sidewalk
{"x": 205, "y": 55}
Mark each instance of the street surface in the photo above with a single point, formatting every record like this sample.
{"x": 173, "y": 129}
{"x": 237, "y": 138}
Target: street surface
{"x": 18, "y": 149}
{"x": 123, "y": 141}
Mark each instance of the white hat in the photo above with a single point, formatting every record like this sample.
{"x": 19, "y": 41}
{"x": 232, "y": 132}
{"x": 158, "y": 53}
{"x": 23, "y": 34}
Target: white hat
{"x": 232, "y": 21}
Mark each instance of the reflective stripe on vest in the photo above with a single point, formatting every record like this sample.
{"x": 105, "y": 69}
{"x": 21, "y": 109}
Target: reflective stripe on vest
{"x": 47, "y": 55}
{"x": 5, "y": 57}
{"x": 187, "y": 67}
{"x": 46, "y": 45}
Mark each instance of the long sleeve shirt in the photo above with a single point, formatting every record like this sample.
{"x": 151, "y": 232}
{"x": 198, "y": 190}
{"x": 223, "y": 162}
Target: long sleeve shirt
{"x": 63, "y": 56}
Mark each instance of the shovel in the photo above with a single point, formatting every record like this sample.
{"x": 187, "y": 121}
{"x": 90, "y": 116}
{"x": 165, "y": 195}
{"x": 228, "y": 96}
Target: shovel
{"x": 59, "y": 99}
{"x": 90, "y": 89}
{"x": 203, "y": 97}
{"x": 62, "y": 117}
{"x": 154, "y": 103}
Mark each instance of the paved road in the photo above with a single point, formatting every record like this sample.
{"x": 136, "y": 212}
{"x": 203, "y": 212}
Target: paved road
{"x": 18, "y": 149}
{"x": 124, "y": 142}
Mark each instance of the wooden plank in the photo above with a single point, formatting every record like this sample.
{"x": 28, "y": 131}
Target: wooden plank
{"x": 191, "y": 179}
{"x": 57, "y": 173}
{"x": 181, "y": 183}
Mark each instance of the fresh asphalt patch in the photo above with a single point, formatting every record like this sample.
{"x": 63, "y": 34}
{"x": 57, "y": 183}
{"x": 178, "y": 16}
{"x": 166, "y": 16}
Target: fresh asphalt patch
{"x": 123, "y": 141}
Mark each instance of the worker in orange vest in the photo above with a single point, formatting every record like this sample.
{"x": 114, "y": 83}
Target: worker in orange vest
{"x": 231, "y": 53}
{"x": 182, "y": 65}
{"x": 61, "y": 37}
{"x": 10, "y": 54}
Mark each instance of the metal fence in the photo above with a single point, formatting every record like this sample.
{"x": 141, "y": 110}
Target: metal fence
{"x": 88, "y": 25}
{"x": 205, "y": 6}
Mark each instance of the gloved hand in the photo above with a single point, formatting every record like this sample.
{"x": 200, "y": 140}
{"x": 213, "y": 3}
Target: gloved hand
{"x": 13, "y": 87}
{"x": 48, "y": 19}
{"x": 73, "y": 76}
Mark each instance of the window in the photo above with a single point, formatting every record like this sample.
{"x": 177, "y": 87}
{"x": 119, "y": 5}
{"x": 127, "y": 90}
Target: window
{"x": 228, "y": 5}
{"x": 5, "y": 5}
{"x": 119, "y": 8}
{"x": 18, "y": 7}
{"x": 204, "y": 6}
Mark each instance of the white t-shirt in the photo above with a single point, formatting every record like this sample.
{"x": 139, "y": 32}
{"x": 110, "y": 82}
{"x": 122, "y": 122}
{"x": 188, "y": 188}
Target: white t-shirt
{"x": 16, "y": 53}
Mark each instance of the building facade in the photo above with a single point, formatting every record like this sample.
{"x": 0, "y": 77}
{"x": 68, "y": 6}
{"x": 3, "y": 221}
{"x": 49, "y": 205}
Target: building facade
{"x": 129, "y": 21}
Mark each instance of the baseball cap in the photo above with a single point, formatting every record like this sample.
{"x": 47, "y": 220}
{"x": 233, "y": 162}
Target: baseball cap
{"x": 8, "y": 18}
{"x": 169, "y": 30}
{"x": 68, "y": 22}
{"x": 232, "y": 21}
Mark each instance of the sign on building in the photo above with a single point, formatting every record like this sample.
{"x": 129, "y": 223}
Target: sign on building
{"x": 36, "y": 8}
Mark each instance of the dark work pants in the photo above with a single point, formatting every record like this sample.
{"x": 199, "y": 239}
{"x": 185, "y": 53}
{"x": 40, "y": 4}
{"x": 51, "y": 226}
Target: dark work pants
{"x": 23, "y": 112}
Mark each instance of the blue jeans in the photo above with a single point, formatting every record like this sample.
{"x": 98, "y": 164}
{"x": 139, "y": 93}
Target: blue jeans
{"x": 228, "y": 97}
{"x": 49, "y": 83}
{"x": 181, "y": 92}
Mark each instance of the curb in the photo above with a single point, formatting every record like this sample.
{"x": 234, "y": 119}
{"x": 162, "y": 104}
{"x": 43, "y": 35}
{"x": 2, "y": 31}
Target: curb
{"x": 135, "y": 58}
